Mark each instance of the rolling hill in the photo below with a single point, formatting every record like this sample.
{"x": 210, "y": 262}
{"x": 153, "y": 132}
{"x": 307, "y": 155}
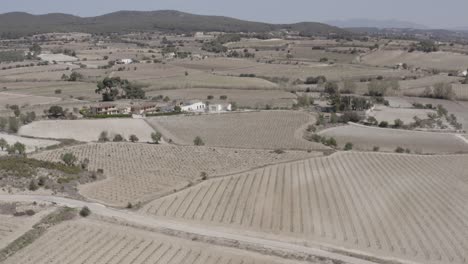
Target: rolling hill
{"x": 21, "y": 24}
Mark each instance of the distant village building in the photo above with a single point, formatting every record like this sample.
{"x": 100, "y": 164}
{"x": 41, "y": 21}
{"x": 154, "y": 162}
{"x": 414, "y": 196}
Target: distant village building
{"x": 193, "y": 106}
{"x": 124, "y": 61}
{"x": 217, "y": 108}
{"x": 105, "y": 109}
{"x": 145, "y": 109}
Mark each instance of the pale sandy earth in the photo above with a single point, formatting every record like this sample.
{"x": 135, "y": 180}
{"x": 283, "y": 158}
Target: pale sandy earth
{"x": 12, "y": 227}
{"x": 434, "y": 60}
{"x": 262, "y": 130}
{"x": 243, "y": 98}
{"x": 31, "y": 143}
{"x": 7, "y": 98}
{"x": 88, "y": 130}
{"x": 366, "y": 138}
{"x": 92, "y": 241}
{"x": 57, "y": 58}
{"x": 391, "y": 205}
{"x": 389, "y": 114}
{"x": 137, "y": 172}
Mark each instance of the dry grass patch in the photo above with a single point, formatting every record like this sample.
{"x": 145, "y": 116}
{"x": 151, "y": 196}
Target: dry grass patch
{"x": 389, "y": 205}
{"x": 261, "y": 130}
{"x": 136, "y": 172}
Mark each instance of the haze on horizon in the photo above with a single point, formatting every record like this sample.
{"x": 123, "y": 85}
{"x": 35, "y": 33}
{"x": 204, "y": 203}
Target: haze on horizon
{"x": 431, "y": 13}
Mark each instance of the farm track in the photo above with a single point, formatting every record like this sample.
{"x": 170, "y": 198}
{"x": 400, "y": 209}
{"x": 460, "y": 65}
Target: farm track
{"x": 404, "y": 206}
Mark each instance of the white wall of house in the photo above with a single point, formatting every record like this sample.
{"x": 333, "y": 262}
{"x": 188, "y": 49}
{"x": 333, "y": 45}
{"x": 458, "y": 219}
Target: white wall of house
{"x": 195, "y": 107}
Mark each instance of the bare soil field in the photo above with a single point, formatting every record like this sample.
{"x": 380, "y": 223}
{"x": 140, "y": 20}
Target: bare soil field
{"x": 243, "y": 98}
{"x": 47, "y": 88}
{"x": 136, "y": 172}
{"x": 308, "y": 53}
{"x": 398, "y": 206}
{"x": 387, "y": 139}
{"x": 258, "y": 43}
{"x": 37, "y": 73}
{"x": 426, "y": 81}
{"x": 389, "y": 114}
{"x": 434, "y": 60}
{"x": 334, "y": 72}
{"x": 31, "y": 143}
{"x": 88, "y": 130}
{"x": 7, "y": 98}
{"x": 93, "y": 241}
{"x": 262, "y": 130}
{"x": 208, "y": 80}
{"x": 215, "y": 64}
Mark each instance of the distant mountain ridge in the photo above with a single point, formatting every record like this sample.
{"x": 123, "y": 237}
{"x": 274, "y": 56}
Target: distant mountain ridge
{"x": 371, "y": 23}
{"x": 20, "y": 24}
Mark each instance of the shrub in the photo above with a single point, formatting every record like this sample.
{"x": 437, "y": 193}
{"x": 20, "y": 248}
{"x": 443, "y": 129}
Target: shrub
{"x": 118, "y": 138}
{"x": 351, "y": 116}
{"x": 311, "y": 128}
{"x": 85, "y": 212}
{"x": 203, "y": 176}
{"x": 376, "y": 149}
{"x": 399, "y": 150}
{"x": 69, "y": 159}
{"x": 383, "y": 124}
{"x": 103, "y": 137}
{"x": 223, "y": 97}
{"x": 278, "y": 151}
{"x": 198, "y": 141}
{"x": 58, "y": 91}
{"x": 348, "y": 146}
{"x": 331, "y": 142}
{"x": 133, "y": 138}
{"x": 129, "y": 205}
{"x": 33, "y": 186}
{"x": 156, "y": 137}
{"x": 398, "y": 123}
{"x": 210, "y": 97}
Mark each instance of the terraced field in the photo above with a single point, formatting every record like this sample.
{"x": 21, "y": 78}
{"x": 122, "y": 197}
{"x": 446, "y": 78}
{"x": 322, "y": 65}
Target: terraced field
{"x": 387, "y": 139}
{"x": 257, "y": 130}
{"x": 400, "y": 206}
{"x": 90, "y": 241}
{"x": 136, "y": 172}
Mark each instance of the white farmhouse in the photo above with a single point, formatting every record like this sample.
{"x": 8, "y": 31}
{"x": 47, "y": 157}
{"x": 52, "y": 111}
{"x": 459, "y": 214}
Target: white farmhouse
{"x": 125, "y": 61}
{"x": 217, "y": 108}
{"x": 193, "y": 106}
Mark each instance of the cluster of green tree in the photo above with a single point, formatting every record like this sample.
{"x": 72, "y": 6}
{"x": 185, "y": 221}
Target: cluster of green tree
{"x": 424, "y": 46}
{"x": 214, "y": 46}
{"x": 247, "y": 75}
{"x": 68, "y": 52}
{"x": 15, "y": 149}
{"x": 379, "y": 88}
{"x": 74, "y": 77}
{"x": 117, "y": 88}
{"x": 316, "y": 80}
{"x": 241, "y": 54}
{"x": 11, "y": 56}
{"x": 439, "y": 91}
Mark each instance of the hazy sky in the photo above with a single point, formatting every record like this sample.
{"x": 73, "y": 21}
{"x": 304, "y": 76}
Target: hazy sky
{"x": 433, "y": 13}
